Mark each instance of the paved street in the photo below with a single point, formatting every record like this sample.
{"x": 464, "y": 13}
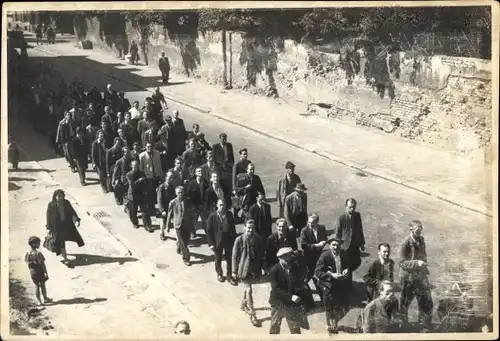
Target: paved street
{"x": 386, "y": 209}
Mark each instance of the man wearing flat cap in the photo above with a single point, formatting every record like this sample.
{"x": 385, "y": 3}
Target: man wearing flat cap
{"x": 296, "y": 208}
{"x": 286, "y": 186}
{"x": 287, "y": 293}
{"x": 334, "y": 279}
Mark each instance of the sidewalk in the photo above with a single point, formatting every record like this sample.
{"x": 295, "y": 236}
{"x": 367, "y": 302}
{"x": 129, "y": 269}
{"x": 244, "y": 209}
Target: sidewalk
{"x": 463, "y": 181}
{"x": 109, "y": 289}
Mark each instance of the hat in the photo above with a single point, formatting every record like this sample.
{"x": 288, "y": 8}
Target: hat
{"x": 333, "y": 237}
{"x": 300, "y": 187}
{"x": 284, "y": 251}
{"x": 289, "y": 164}
{"x": 168, "y": 118}
{"x": 221, "y": 135}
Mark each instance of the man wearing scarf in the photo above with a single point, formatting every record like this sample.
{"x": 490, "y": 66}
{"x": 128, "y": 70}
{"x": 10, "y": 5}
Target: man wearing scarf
{"x": 248, "y": 261}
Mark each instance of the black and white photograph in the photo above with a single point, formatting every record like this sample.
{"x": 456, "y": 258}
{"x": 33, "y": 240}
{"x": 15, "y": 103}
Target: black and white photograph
{"x": 249, "y": 170}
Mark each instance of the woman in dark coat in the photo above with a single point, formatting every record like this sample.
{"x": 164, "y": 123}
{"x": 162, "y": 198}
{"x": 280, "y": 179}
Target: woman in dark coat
{"x": 62, "y": 221}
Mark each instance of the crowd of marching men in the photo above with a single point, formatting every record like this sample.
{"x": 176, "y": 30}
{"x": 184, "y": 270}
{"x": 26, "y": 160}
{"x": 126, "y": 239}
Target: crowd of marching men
{"x": 152, "y": 163}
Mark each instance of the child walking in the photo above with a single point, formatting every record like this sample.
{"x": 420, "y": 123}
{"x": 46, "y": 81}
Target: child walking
{"x": 38, "y": 270}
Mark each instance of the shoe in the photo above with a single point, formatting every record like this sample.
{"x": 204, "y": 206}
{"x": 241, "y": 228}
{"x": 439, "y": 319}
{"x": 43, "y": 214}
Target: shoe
{"x": 47, "y": 300}
{"x": 163, "y": 238}
{"x": 179, "y": 251}
{"x": 83, "y": 184}
{"x": 136, "y": 226}
{"x": 232, "y": 281}
{"x": 220, "y": 278}
{"x": 255, "y": 322}
{"x": 188, "y": 263}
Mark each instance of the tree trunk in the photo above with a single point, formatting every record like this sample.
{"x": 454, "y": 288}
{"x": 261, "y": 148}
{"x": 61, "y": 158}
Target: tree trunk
{"x": 230, "y": 60}
{"x": 224, "y": 59}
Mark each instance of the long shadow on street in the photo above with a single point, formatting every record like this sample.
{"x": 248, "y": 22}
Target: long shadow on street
{"x": 82, "y": 259}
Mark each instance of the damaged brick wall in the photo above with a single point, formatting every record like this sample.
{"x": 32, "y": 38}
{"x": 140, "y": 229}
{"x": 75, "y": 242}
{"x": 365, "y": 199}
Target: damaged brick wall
{"x": 439, "y": 100}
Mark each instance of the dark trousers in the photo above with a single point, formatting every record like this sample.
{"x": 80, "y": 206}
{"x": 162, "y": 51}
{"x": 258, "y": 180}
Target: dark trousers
{"x": 81, "y": 171}
{"x": 311, "y": 266}
{"x": 355, "y": 257}
{"x": 118, "y": 192}
{"x": 412, "y": 289}
{"x": 183, "y": 237}
{"x": 277, "y": 315}
{"x": 133, "y": 205}
{"x": 103, "y": 177}
{"x": 68, "y": 154}
{"x": 226, "y": 248}
{"x": 165, "y": 75}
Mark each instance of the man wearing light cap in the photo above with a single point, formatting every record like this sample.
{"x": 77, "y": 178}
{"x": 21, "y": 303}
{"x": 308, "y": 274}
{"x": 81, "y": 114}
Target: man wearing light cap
{"x": 286, "y": 186}
{"x": 286, "y": 290}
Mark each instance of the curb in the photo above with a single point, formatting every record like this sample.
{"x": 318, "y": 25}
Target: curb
{"x": 331, "y": 157}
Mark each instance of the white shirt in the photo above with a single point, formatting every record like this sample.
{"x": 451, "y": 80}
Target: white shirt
{"x": 134, "y": 113}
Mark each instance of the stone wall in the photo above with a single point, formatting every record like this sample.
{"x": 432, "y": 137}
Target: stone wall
{"x": 441, "y": 100}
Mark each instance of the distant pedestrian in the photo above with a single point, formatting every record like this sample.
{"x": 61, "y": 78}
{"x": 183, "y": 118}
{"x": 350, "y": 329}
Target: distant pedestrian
{"x": 179, "y": 216}
{"x": 38, "y": 271}
{"x": 39, "y": 34}
{"x": 286, "y": 186}
{"x": 134, "y": 53}
{"x": 414, "y": 275}
{"x": 62, "y": 223}
{"x": 349, "y": 228}
{"x": 295, "y": 210}
{"x": 164, "y": 65}
{"x": 248, "y": 263}
{"x": 13, "y": 153}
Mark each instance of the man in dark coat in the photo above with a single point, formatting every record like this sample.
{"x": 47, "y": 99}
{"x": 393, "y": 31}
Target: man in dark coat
{"x": 223, "y": 153}
{"x": 211, "y": 167}
{"x": 247, "y": 188}
{"x": 64, "y": 136}
{"x": 176, "y": 144}
{"x": 334, "y": 279}
{"x": 94, "y": 97}
{"x": 111, "y": 98}
{"x": 164, "y": 65}
{"x": 287, "y": 291}
{"x": 350, "y": 229}
{"x": 121, "y": 168}
{"x": 221, "y": 233}
{"x": 260, "y": 212}
{"x": 216, "y": 191}
{"x": 192, "y": 158}
{"x": 283, "y": 237}
{"x": 99, "y": 160}
{"x": 180, "y": 132}
{"x": 113, "y": 154}
{"x": 382, "y": 314}
{"x": 313, "y": 240}
{"x": 286, "y": 186}
{"x": 136, "y": 182}
{"x": 166, "y": 193}
{"x": 382, "y": 269}
{"x": 129, "y": 130}
{"x": 108, "y": 134}
{"x": 195, "y": 190}
{"x": 81, "y": 153}
{"x": 108, "y": 117}
{"x": 414, "y": 275}
{"x": 296, "y": 208}
{"x": 159, "y": 101}
{"x": 123, "y": 104}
